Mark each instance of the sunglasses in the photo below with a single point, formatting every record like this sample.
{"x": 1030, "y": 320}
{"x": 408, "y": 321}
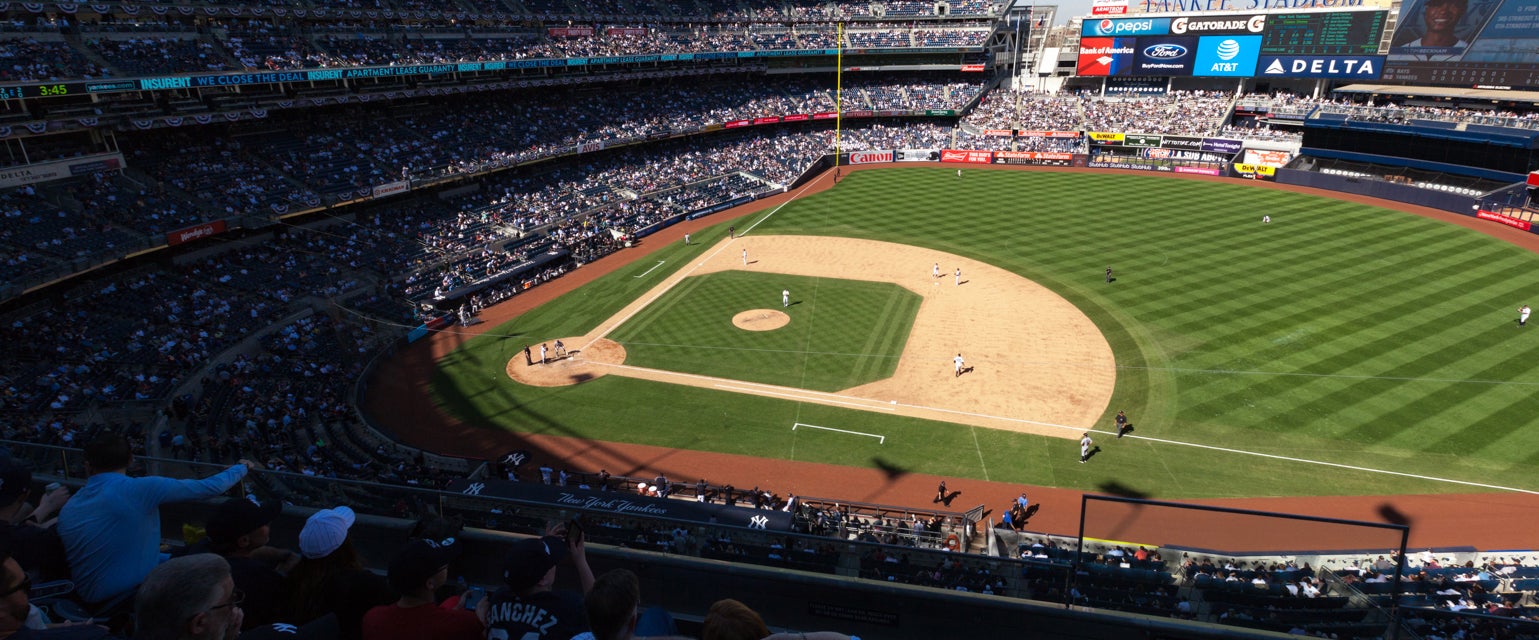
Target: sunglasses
{"x": 236, "y": 597}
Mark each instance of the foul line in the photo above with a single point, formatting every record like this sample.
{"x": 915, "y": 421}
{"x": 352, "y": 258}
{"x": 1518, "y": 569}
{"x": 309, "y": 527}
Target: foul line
{"x": 654, "y": 268}
{"x": 879, "y": 438}
{"x": 829, "y": 398}
{"x": 681, "y": 275}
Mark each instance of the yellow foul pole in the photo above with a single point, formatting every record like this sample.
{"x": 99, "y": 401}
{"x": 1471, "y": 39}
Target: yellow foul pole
{"x": 838, "y": 94}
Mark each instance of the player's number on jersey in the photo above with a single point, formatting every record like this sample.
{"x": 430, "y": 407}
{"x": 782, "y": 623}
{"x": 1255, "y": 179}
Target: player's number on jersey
{"x": 502, "y": 634}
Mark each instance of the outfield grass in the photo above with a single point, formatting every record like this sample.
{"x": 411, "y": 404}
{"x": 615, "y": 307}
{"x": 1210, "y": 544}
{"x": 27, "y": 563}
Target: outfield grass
{"x": 843, "y": 333}
{"x": 1339, "y": 332}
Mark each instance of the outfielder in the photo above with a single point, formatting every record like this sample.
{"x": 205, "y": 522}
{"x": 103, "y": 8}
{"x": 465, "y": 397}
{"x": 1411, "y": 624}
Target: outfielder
{"x": 785, "y": 297}
{"x": 1084, "y": 448}
{"x": 1523, "y": 316}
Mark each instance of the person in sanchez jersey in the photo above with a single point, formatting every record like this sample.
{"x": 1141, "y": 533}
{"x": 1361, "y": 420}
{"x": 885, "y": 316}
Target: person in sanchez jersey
{"x": 527, "y": 608}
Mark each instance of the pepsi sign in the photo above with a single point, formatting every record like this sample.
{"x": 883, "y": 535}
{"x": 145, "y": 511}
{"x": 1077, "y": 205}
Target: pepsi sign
{"x": 1125, "y": 27}
{"x": 1166, "y": 56}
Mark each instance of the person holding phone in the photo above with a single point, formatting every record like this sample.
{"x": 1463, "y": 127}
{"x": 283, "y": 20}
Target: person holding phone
{"x": 527, "y": 607}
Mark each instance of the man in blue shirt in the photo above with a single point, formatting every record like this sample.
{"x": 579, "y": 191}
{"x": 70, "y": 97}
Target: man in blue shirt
{"x": 111, "y": 528}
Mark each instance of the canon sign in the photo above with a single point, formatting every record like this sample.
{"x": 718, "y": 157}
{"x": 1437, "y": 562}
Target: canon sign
{"x": 868, "y": 157}
{"x": 1252, "y": 24}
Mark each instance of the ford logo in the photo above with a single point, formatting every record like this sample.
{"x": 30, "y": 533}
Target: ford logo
{"x": 1165, "y": 51}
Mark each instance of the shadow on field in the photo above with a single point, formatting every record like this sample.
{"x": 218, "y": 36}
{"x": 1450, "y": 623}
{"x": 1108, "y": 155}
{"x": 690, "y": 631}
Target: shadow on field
{"x": 892, "y": 471}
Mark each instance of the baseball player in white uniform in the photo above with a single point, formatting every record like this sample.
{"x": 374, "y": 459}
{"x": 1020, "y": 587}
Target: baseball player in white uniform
{"x": 958, "y": 277}
{"x": 959, "y": 364}
{"x": 1084, "y": 448}
{"x": 745, "y": 257}
{"x": 1523, "y": 316}
{"x": 935, "y": 270}
{"x": 785, "y": 297}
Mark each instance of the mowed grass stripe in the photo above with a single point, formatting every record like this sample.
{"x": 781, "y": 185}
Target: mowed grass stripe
{"x": 1329, "y": 287}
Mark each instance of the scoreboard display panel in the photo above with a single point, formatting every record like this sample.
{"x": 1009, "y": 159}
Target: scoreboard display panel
{"x": 1336, "y": 33}
{"x": 1471, "y": 43}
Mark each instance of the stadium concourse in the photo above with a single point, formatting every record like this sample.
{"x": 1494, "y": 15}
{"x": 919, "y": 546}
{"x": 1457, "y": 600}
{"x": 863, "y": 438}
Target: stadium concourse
{"x": 401, "y": 397}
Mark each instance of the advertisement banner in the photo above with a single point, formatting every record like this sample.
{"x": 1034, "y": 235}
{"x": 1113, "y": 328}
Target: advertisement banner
{"x": 1102, "y": 164}
{"x": 1255, "y": 171}
{"x": 590, "y": 147}
{"x": 869, "y": 157}
{"x": 1267, "y": 157}
{"x": 626, "y": 31}
{"x": 1199, "y": 170}
{"x": 736, "y": 123}
{"x": 972, "y": 68}
{"x": 1499, "y": 218}
{"x": 998, "y": 133}
{"x": 767, "y": 120}
{"x": 916, "y": 155}
{"x": 826, "y": 115}
{"x": 1165, "y": 56}
{"x": 194, "y": 232}
{"x": 1108, "y": 7}
{"x": 613, "y": 503}
{"x": 46, "y": 171}
{"x": 1125, "y": 27}
{"x": 390, "y": 189}
{"x": 1354, "y": 67}
{"x": 1048, "y": 134}
{"x": 861, "y": 113}
{"x": 1108, "y": 139}
{"x": 1182, "y": 154}
{"x": 1041, "y": 158}
{"x": 1227, "y": 56}
{"x": 1140, "y": 140}
{"x": 1218, "y": 25}
{"x": 1181, "y": 142}
{"x": 799, "y": 117}
{"x": 958, "y": 155}
{"x": 1106, "y": 56}
{"x": 1222, "y": 145}
{"x": 569, "y": 32}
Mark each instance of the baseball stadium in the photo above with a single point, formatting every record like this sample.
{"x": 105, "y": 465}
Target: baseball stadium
{"x": 870, "y": 320}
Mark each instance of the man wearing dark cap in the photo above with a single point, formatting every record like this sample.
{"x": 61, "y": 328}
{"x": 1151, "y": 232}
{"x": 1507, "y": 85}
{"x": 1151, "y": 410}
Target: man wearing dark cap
{"x": 35, "y": 544}
{"x": 238, "y": 531}
{"x": 527, "y": 608}
{"x": 416, "y": 572}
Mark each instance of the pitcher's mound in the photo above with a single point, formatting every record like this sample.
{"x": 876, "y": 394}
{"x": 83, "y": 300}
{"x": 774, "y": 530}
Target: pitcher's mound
{"x": 761, "y": 320}
{"x": 579, "y": 365}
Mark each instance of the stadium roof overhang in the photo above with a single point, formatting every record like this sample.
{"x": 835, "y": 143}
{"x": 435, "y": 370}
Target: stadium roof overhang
{"x": 1497, "y": 95}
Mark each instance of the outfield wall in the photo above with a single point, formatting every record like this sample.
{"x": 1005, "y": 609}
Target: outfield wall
{"x": 1451, "y": 202}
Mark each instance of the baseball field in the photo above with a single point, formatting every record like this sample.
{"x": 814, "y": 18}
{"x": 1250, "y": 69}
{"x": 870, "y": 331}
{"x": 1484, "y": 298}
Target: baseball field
{"x": 1341, "y": 349}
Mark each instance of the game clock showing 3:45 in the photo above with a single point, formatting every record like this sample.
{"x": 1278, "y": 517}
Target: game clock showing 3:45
{"x": 40, "y": 91}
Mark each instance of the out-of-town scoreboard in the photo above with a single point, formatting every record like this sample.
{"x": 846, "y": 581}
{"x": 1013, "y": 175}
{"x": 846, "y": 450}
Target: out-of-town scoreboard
{"x": 1345, "y": 33}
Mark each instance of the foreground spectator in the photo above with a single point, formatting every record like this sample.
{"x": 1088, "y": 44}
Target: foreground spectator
{"x": 417, "y": 572}
{"x": 527, "y": 608}
{"x": 111, "y": 528}
{"x": 188, "y": 598}
{"x": 614, "y": 611}
{"x": 15, "y": 590}
{"x": 239, "y": 532}
{"x": 33, "y": 537}
{"x": 331, "y": 577}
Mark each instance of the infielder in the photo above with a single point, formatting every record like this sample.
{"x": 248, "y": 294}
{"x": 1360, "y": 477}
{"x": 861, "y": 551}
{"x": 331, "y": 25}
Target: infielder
{"x": 1084, "y": 448}
{"x": 560, "y": 349}
{"x": 959, "y": 364}
{"x": 1523, "y": 316}
{"x": 785, "y": 297}
{"x": 935, "y": 271}
{"x": 686, "y": 239}
{"x": 543, "y": 350}
{"x": 745, "y": 257}
{"x": 958, "y": 277}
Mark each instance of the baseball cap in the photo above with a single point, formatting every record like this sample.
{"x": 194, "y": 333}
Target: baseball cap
{"x": 325, "y": 531}
{"x": 530, "y": 559}
{"x": 240, "y": 516}
{"x": 14, "y": 479}
{"x": 323, "y": 628}
{"x": 418, "y": 561}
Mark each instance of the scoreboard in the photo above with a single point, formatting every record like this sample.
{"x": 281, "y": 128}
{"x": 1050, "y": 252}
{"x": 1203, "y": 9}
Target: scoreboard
{"x": 1338, "y": 33}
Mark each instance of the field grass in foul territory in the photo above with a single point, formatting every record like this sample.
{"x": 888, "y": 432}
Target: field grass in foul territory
{"x": 1339, "y": 333}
